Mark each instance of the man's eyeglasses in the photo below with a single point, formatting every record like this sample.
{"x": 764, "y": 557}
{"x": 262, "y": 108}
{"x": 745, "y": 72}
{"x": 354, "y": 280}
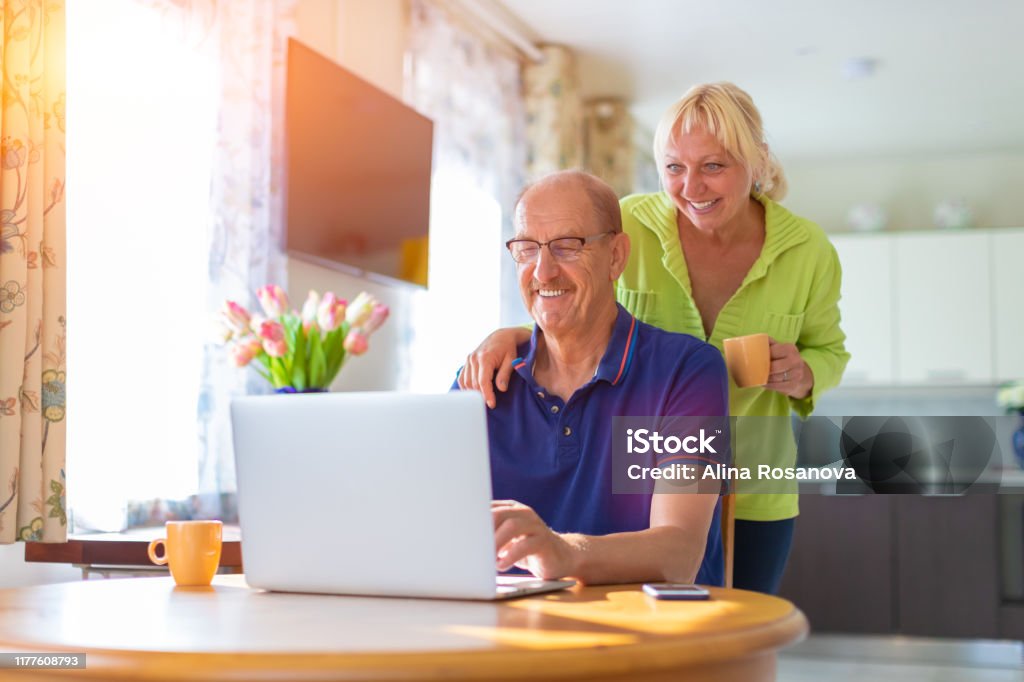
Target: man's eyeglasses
{"x": 563, "y": 249}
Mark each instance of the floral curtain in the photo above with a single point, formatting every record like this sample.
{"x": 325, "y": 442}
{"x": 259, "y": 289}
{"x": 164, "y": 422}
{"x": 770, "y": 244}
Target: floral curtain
{"x": 473, "y": 93}
{"x": 246, "y": 236}
{"x": 608, "y": 142}
{"x": 32, "y": 273}
{"x": 555, "y": 128}
{"x": 249, "y": 40}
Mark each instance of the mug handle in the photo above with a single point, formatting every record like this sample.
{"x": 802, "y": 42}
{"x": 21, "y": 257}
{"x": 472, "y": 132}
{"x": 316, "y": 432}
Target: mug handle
{"x": 151, "y": 551}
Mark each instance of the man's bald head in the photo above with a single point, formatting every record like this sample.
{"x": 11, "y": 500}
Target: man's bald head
{"x": 601, "y": 196}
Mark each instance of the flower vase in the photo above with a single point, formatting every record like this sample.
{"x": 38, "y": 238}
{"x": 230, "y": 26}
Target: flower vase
{"x": 1018, "y": 441}
{"x": 292, "y": 389}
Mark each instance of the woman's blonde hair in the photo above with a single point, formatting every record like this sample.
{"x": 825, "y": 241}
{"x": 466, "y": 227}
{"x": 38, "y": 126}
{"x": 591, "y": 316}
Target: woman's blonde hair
{"x": 727, "y": 112}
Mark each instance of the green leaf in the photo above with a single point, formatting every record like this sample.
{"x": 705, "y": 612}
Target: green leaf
{"x": 334, "y": 365}
{"x": 335, "y": 351}
{"x": 292, "y": 333}
{"x": 292, "y": 325}
{"x": 264, "y": 359}
{"x": 317, "y": 361}
{"x": 331, "y": 343}
{"x": 299, "y": 360}
{"x": 279, "y": 375}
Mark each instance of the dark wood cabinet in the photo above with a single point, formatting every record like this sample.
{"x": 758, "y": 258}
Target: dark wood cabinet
{"x": 947, "y": 575}
{"x": 840, "y": 567}
{"x": 913, "y": 565}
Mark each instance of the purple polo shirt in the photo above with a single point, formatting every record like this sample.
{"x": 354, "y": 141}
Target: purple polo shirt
{"x": 556, "y": 456}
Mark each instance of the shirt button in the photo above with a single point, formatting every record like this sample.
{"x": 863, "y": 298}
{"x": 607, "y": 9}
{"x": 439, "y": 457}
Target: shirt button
{"x": 567, "y": 431}
{"x": 540, "y": 394}
{"x": 554, "y": 409}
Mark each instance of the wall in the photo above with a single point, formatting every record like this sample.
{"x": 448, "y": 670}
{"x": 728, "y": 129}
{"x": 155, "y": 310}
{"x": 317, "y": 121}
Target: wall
{"x": 14, "y": 572}
{"x": 909, "y": 188}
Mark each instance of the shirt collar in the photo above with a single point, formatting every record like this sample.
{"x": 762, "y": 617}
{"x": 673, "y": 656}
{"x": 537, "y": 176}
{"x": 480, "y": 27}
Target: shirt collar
{"x": 783, "y": 231}
{"x": 615, "y": 363}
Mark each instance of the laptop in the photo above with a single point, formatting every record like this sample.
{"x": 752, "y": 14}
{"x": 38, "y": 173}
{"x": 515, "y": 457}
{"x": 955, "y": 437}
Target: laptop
{"x": 385, "y": 494}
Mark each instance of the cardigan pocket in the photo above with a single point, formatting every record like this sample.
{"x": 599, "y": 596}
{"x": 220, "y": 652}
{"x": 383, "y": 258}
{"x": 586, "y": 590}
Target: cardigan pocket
{"x": 641, "y": 304}
{"x": 784, "y": 327}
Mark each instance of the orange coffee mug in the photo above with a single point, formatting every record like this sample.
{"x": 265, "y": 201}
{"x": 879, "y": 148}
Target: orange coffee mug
{"x": 192, "y": 548}
{"x": 748, "y": 359}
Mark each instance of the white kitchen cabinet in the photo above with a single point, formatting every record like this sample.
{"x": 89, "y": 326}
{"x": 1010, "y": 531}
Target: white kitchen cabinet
{"x": 867, "y": 307}
{"x": 1007, "y": 253}
{"x": 943, "y": 308}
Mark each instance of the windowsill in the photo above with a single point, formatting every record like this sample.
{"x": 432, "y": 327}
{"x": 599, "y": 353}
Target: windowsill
{"x": 127, "y": 548}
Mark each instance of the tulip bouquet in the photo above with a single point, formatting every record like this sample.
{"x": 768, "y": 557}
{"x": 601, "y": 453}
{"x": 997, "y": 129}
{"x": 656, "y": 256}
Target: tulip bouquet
{"x": 300, "y": 351}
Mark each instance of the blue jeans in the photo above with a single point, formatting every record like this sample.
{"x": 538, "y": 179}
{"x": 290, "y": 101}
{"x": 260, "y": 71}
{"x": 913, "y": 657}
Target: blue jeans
{"x": 761, "y": 549}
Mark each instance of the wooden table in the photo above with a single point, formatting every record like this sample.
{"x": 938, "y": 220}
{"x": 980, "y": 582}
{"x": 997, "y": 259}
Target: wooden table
{"x": 148, "y": 629}
{"x": 108, "y": 553}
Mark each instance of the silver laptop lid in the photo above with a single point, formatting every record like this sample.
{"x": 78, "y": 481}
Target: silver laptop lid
{"x": 365, "y": 493}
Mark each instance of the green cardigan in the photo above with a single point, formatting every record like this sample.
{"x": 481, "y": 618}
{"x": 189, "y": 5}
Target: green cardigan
{"x": 791, "y": 292}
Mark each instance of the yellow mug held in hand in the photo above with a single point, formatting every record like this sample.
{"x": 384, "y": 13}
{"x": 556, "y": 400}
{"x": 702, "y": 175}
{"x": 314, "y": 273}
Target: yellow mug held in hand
{"x": 748, "y": 359}
{"x": 192, "y": 548}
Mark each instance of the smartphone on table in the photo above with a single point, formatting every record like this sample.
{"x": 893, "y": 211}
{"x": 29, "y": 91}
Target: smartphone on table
{"x": 678, "y": 591}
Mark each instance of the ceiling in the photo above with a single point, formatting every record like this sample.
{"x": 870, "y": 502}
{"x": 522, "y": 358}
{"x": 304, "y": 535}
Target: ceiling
{"x": 949, "y": 76}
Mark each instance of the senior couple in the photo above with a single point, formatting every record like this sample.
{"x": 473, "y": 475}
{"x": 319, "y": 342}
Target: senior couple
{"x": 714, "y": 256}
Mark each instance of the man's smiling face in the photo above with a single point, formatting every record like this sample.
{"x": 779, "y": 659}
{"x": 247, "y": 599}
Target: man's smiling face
{"x": 564, "y": 295}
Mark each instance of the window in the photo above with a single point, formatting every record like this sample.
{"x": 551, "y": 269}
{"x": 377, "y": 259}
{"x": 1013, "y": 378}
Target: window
{"x": 141, "y": 123}
{"x": 462, "y": 304}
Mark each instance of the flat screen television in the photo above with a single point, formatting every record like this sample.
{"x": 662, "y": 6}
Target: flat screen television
{"x": 357, "y": 186}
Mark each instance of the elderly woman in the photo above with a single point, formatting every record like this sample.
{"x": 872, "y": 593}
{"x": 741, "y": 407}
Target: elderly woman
{"x": 714, "y": 255}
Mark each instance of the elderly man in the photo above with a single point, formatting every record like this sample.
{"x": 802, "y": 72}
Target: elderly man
{"x": 588, "y": 361}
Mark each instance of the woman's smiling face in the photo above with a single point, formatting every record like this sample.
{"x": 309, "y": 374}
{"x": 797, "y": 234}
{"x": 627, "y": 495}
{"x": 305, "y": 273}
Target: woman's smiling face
{"x": 709, "y": 186}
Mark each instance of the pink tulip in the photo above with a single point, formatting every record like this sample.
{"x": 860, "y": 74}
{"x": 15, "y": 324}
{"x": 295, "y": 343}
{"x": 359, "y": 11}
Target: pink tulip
{"x": 235, "y": 317}
{"x": 275, "y": 349}
{"x": 377, "y": 316}
{"x": 356, "y": 342}
{"x": 271, "y": 330}
{"x": 273, "y": 299}
{"x": 329, "y": 314}
{"x": 274, "y": 344}
{"x": 309, "y": 308}
{"x": 243, "y": 352}
{"x": 360, "y": 310}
